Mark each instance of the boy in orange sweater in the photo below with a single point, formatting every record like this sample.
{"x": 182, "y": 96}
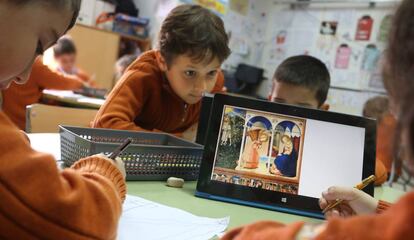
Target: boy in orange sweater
{"x": 378, "y": 108}
{"x": 360, "y": 216}
{"x": 37, "y": 200}
{"x": 162, "y": 89}
{"x": 17, "y": 96}
{"x": 65, "y": 56}
{"x": 305, "y": 81}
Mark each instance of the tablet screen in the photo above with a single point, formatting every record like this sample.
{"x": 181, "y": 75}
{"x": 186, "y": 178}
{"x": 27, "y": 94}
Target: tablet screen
{"x": 285, "y": 153}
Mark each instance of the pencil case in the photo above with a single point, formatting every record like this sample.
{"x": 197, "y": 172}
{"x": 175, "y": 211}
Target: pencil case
{"x": 151, "y": 156}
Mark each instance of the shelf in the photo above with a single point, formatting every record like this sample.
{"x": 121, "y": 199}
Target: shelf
{"x": 144, "y": 42}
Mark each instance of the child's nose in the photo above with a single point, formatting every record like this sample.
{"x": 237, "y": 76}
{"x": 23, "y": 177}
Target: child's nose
{"x": 202, "y": 85}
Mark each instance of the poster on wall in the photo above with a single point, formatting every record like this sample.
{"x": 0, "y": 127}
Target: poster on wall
{"x": 364, "y": 28}
{"x": 385, "y": 28}
{"x": 281, "y": 37}
{"x": 217, "y": 6}
{"x": 370, "y": 58}
{"x": 239, "y": 6}
{"x": 343, "y": 56}
{"x": 328, "y": 28}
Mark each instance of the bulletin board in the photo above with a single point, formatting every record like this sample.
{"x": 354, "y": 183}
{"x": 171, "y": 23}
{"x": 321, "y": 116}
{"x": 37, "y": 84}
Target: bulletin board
{"x": 350, "y": 41}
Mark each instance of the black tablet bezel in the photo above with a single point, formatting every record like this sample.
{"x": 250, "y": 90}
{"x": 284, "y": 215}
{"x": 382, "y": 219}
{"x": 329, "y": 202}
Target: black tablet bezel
{"x": 273, "y": 199}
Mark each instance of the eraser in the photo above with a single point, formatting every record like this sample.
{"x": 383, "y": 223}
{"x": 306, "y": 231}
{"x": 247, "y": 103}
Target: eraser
{"x": 175, "y": 182}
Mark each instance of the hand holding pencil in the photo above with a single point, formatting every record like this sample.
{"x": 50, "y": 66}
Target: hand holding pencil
{"x": 348, "y": 201}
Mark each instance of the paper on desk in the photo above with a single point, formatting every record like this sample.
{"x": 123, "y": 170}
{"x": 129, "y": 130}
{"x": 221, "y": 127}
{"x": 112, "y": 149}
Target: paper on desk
{"x": 74, "y": 96}
{"x": 46, "y": 143}
{"x": 143, "y": 219}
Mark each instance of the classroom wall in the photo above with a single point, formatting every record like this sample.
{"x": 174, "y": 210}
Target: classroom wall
{"x": 254, "y": 27}
{"x": 354, "y": 82}
{"x": 245, "y": 22}
{"x": 148, "y": 9}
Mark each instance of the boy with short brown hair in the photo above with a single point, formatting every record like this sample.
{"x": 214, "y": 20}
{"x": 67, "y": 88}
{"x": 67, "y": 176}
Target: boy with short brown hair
{"x": 162, "y": 89}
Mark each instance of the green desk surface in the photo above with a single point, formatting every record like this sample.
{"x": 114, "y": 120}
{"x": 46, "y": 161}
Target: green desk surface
{"x": 183, "y": 198}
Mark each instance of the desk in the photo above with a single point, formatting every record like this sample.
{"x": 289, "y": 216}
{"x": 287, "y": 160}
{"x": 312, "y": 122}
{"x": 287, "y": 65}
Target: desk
{"x": 239, "y": 215}
{"x": 72, "y": 99}
{"x": 184, "y": 198}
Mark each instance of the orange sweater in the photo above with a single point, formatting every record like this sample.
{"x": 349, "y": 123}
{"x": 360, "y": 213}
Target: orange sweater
{"x": 391, "y": 222}
{"x": 385, "y": 146}
{"x": 82, "y": 75}
{"x": 385, "y": 140}
{"x": 17, "y": 97}
{"x": 144, "y": 101}
{"x": 39, "y": 201}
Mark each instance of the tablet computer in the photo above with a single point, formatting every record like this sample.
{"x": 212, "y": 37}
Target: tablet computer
{"x": 206, "y": 104}
{"x": 282, "y": 157}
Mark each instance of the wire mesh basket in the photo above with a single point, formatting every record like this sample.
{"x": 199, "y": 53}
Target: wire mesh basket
{"x": 151, "y": 156}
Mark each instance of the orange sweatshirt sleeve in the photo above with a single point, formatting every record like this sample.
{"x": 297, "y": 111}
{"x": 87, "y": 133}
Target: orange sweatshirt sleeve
{"x": 381, "y": 173}
{"x": 338, "y": 228}
{"x": 39, "y": 201}
{"x": 86, "y": 78}
{"x": 125, "y": 102}
{"x": 264, "y": 230}
{"x": 48, "y": 79}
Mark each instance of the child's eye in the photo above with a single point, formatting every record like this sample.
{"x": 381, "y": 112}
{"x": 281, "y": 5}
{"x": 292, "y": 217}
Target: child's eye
{"x": 190, "y": 73}
{"x": 212, "y": 74}
{"x": 39, "y": 48}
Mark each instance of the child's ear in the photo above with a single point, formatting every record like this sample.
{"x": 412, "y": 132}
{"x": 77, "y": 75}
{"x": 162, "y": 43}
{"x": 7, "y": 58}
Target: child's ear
{"x": 324, "y": 107}
{"x": 162, "y": 64}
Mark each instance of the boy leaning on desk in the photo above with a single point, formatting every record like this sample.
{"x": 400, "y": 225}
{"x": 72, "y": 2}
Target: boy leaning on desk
{"x": 162, "y": 89}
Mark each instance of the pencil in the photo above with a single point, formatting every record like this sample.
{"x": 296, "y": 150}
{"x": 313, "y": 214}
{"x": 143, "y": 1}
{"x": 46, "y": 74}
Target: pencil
{"x": 359, "y": 186}
{"x": 120, "y": 149}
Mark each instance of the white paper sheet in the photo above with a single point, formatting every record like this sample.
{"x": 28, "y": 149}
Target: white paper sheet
{"x": 46, "y": 143}
{"x": 143, "y": 219}
{"x": 74, "y": 96}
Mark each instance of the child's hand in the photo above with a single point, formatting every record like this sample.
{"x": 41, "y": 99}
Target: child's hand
{"x": 355, "y": 202}
{"x": 86, "y": 85}
{"x": 118, "y": 163}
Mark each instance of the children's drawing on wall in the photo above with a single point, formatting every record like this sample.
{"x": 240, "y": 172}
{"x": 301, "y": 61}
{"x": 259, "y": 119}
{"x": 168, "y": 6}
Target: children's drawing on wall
{"x": 370, "y": 58}
{"x": 347, "y": 37}
{"x": 239, "y": 45}
{"x": 217, "y": 6}
{"x": 376, "y": 78}
{"x": 364, "y": 28}
{"x": 239, "y": 6}
{"x": 260, "y": 147}
{"x": 343, "y": 56}
{"x": 356, "y": 54}
{"x": 278, "y": 51}
{"x": 385, "y": 28}
{"x": 276, "y": 55}
{"x": 281, "y": 37}
{"x": 328, "y": 28}
{"x": 327, "y": 37}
